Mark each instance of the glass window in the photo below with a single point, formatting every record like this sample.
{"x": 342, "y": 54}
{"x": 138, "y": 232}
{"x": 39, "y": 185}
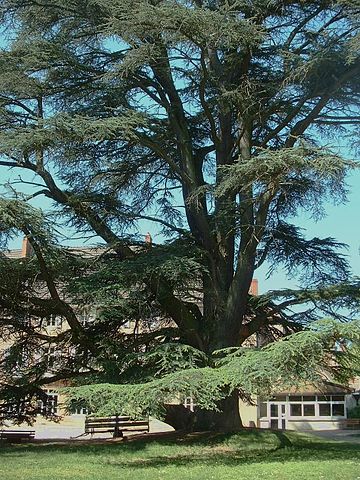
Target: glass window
{"x": 86, "y": 315}
{"x": 295, "y": 398}
{"x": 338, "y": 398}
{"x": 309, "y": 410}
{"x": 54, "y": 321}
{"x": 80, "y": 411}
{"x": 78, "y": 408}
{"x": 280, "y": 398}
{"x": 274, "y": 424}
{"x": 295, "y": 409}
{"x": 50, "y": 405}
{"x": 324, "y": 410}
{"x": 53, "y": 356}
{"x": 189, "y": 403}
{"x": 263, "y": 409}
{"x": 274, "y": 410}
{"x": 332, "y": 405}
{"x": 338, "y": 410}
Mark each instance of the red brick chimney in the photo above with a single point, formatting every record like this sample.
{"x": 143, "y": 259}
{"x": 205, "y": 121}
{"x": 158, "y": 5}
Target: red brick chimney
{"x": 254, "y": 287}
{"x": 26, "y": 249}
{"x": 148, "y": 239}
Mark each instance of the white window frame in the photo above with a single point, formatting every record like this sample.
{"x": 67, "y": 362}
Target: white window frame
{"x": 86, "y": 314}
{"x": 189, "y": 403}
{"x": 79, "y": 411}
{"x": 288, "y": 402}
{"x": 53, "y": 356}
{"x": 53, "y": 321}
{"x": 51, "y": 407}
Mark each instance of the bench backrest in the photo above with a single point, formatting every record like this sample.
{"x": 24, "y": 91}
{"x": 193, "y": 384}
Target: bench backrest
{"x": 110, "y": 424}
{"x": 352, "y": 423}
{"x": 17, "y": 434}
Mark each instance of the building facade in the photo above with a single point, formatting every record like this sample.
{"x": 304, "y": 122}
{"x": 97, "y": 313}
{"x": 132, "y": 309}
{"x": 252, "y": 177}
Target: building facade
{"x": 305, "y": 410}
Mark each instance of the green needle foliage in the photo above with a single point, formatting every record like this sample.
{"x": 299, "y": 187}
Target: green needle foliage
{"x": 208, "y": 119}
{"x": 300, "y": 359}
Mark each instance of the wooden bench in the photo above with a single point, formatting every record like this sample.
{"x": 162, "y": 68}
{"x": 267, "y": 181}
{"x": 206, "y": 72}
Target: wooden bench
{"x": 17, "y": 436}
{"x": 115, "y": 425}
{"x": 351, "y": 423}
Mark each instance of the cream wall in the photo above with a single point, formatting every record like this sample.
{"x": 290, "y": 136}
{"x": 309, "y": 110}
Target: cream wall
{"x": 248, "y": 414}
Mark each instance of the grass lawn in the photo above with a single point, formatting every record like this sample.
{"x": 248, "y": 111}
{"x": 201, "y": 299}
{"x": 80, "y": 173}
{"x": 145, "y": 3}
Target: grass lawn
{"x": 250, "y": 455}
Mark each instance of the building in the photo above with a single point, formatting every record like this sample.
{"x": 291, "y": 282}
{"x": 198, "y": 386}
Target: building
{"x": 307, "y": 409}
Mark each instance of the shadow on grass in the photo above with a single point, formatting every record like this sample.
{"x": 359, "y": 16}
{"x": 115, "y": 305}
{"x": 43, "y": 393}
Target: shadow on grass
{"x": 196, "y": 439}
{"x": 236, "y": 458}
{"x": 208, "y": 449}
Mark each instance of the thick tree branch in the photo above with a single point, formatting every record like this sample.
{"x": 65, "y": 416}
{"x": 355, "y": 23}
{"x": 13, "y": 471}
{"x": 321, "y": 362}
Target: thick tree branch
{"x": 301, "y": 25}
{"x": 299, "y": 128}
{"x": 64, "y": 307}
{"x": 196, "y": 214}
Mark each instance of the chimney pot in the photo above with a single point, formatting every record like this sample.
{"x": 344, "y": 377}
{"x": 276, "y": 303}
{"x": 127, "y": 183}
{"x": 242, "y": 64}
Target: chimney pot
{"x": 148, "y": 239}
{"x": 254, "y": 287}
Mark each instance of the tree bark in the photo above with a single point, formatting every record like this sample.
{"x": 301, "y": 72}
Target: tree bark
{"x": 227, "y": 419}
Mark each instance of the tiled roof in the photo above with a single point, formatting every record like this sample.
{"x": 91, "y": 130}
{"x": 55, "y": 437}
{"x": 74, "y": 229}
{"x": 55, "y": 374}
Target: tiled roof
{"x": 17, "y": 253}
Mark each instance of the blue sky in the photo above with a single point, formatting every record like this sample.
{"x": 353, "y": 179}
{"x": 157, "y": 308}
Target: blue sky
{"x": 342, "y": 222}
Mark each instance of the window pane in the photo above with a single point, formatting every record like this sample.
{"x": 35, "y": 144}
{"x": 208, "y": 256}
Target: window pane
{"x": 280, "y": 398}
{"x": 295, "y": 398}
{"x": 324, "y": 410}
{"x": 309, "y": 398}
{"x": 263, "y": 409}
{"x": 338, "y": 409}
{"x": 274, "y": 424}
{"x": 338, "y": 398}
{"x": 274, "y": 410}
{"x": 324, "y": 398}
{"x": 50, "y": 406}
{"x": 295, "y": 410}
{"x": 309, "y": 410}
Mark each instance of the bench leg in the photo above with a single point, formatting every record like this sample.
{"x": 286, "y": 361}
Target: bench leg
{"x": 118, "y": 433}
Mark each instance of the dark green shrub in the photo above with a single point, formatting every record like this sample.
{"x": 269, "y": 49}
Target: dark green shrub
{"x": 354, "y": 412}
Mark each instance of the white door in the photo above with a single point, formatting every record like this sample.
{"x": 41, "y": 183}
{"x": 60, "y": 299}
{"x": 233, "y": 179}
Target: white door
{"x": 277, "y": 415}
